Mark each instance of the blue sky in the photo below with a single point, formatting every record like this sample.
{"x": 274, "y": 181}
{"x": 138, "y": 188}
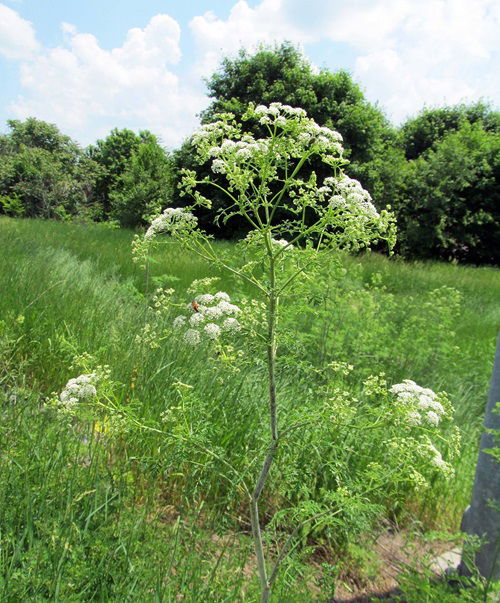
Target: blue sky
{"x": 91, "y": 65}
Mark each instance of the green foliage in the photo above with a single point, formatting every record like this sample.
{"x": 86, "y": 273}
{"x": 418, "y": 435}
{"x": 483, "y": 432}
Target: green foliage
{"x": 45, "y": 171}
{"x": 144, "y": 187}
{"x": 421, "y": 133}
{"x": 77, "y": 526}
{"x": 441, "y": 179}
{"x": 424, "y": 585}
{"x": 134, "y": 181}
{"x": 34, "y": 133}
{"x": 112, "y": 154}
{"x": 125, "y": 177}
{"x": 11, "y": 206}
{"x": 453, "y": 200}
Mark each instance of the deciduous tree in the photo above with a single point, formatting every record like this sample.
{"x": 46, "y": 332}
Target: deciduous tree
{"x": 144, "y": 187}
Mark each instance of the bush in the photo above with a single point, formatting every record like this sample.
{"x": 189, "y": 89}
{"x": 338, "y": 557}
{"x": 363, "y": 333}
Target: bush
{"x": 453, "y": 206}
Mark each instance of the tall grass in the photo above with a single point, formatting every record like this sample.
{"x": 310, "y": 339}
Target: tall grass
{"x": 69, "y": 289}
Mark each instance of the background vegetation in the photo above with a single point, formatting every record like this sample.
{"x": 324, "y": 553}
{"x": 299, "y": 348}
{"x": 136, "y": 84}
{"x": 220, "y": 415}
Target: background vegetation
{"x": 439, "y": 170}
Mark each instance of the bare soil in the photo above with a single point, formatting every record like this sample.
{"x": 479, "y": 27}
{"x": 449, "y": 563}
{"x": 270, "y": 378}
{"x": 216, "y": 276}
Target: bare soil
{"x": 393, "y": 551}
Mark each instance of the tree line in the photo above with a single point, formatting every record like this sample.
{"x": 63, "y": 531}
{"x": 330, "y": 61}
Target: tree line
{"x": 439, "y": 171}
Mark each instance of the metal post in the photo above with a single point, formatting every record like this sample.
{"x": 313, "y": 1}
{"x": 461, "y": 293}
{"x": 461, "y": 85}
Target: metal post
{"x": 482, "y": 516}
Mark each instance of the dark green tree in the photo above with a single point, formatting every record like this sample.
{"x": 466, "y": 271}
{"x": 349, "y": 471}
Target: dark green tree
{"x": 426, "y": 129}
{"x": 113, "y": 155}
{"x": 43, "y": 173}
{"x": 34, "y": 133}
{"x": 145, "y": 186}
{"x": 452, "y": 205}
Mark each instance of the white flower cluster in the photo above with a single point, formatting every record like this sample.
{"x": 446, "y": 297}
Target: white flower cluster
{"x": 322, "y": 137}
{"x": 215, "y": 129}
{"x": 230, "y": 148}
{"x": 172, "y": 220}
{"x": 77, "y": 389}
{"x": 211, "y": 315}
{"x": 241, "y": 150}
{"x": 436, "y": 458}
{"x": 347, "y": 193}
{"x": 422, "y": 403}
{"x": 277, "y": 113}
{"x": 282, "y": 243}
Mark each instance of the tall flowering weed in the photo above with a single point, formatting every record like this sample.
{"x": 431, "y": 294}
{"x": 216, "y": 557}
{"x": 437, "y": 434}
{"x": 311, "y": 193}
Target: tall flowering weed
{"x": 293, "y": 218}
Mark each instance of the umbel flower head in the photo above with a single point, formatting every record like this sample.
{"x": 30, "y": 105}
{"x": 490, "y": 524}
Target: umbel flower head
{"x": 173, "y": 220}
{"x": 230, "y": 149}
{"x": 77, "y": 389}
{"x": 345, "y": 194}
{"x": 422, "y": 406}
{"x": 209, "y": 316}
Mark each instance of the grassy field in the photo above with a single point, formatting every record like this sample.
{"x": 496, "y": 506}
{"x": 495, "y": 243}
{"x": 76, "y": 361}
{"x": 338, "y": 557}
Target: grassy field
{"x": 148, "y": 519}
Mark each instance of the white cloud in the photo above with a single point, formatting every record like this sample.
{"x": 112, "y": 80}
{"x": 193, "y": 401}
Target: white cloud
{"x": 245, "y": 27}
{"x": 17, "y": 37}
{"x": 407, "y": 54}
{"x": 84, "y": 88}
{"x": 393, "y": 79}
{"x": 417, "y": 53}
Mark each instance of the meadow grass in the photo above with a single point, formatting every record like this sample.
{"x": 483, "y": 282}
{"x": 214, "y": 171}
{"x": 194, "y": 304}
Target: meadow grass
{"x": 80, "y": 515}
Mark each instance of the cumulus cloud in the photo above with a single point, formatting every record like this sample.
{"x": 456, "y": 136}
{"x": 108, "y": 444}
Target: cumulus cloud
{"x": 403, "y": 88}
{"x": 416, "y": 53}
{"x": 17, "y": 37}
{"x": 406, "y": 54}
{"x": 245, "y": 27}
{"x": 83, "y": 87}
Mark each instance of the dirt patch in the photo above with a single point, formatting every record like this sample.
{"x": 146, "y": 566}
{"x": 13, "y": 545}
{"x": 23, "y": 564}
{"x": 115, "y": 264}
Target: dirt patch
{"x": 393, "y": 552}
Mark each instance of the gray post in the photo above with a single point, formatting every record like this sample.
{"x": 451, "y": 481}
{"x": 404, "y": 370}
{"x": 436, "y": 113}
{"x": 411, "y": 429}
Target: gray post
{"x": 482, "y": 516}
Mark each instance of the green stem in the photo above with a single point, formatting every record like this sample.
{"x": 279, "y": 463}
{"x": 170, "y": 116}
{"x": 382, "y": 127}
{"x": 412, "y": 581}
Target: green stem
{"x": 273, "y": 447}
{"x": 265, "y": 588}
{"x": 275, "y": 201}
{"x": 271, "y": 350}
{"x": 212, "y": 258}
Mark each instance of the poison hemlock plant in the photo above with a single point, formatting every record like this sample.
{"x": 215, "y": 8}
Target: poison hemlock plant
{"x": 295, "y": 222}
